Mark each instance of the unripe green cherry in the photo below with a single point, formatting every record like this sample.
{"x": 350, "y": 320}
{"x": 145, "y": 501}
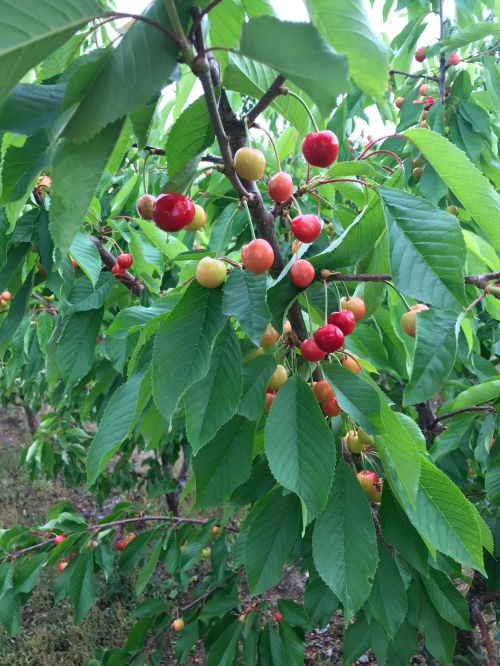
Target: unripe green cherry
{"x": 353, "y": 443}
{"x": 249, "y": 163}
{"x": 210, "y": 272}
{"x": 278, "y": 378}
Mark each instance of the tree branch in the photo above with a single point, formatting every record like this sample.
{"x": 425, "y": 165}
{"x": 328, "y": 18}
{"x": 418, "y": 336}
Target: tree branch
{"x": 413, "y": 76}
{"x": 474, "y": 408}
{"x": 132, "y": 283}
{"x": 215, "y": 159}
{"x": 480, "y": 281}
{"x": 487, "y": 642}
{"x": 266, "y": 99}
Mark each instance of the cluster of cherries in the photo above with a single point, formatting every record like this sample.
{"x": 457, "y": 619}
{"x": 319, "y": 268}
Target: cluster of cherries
{"x": 5, "y": 297}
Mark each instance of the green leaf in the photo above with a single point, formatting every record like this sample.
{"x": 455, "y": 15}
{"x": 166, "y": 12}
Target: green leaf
{"x": 476, "y": 395}
{"x": 439, "y": 635}
{"x": 71, "y": 197}
{"x": 81, "y": 584}
{"x": 113, "y": 427}
{"x": 213, "y": 400}
{"x": 345, "y": 25}
{"x": 435, "y": 351}
{"x": 274, "y": 528}
{"x": 147, "y": 570}
{"x": 183, "y": 345}
{"x": 445, "y": 518}
{"x": 299, "y": 445}
{"x": 256, "y": 374}
{"x": 17, "y": 309}
{"x": 10, "y": 612}
{"x": 387, "y": 601}
{"x": 223, "y": 651}
{"x": 86, "y": 255}
{"x": 21, "y": 166}
{"x": 189, "y": 136}
{"x": 319, "y": 602}
{"x": 315, "y": 67}
{"x": 30, "y": 108}
{"x": 294, "y": 646}
{"x": 454, "y": 167}
{"x": 447, "y": 600}
{"x": 356, "y": 639}
{"x": 225, "y": 462}
{"x": 472, "y": 33}
{"x": 481, "y": 250}
{"x": 75, "y": 347}
{"x": 245, "y": 299}
{"x": 344, "y": 542}
{"x": 427, "y": 250}
{"x": 84, "y": 296}
{"x": 142, "y": 63}
{"x": 30, "y": 34}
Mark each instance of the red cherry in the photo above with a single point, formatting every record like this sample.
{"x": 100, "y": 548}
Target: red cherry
{"x": 320, "y": 148}
{"x": 367, "y": 479}
{"x": 302, "y": 273}
{"x": 172, "y": 212}
{"x": 257, "y": 256}
{"x": 420, "y": 55}
{"x": 62, "y": 565}
{"x": 329, "y": 338}
{"x": 73, "y": 262}
{"x": 125, "y": 260}
{"x": 311, "y": 352}
{"x": 280, "y": 187}
{"x": 323, "y": 391}
{"x": 58, "y": 539}
{"x": 305, "y": 228}
{"x": 399, "y": 102}
{"x": 121, "y": 544}
{"x": 278, "y": 616}
{"x": 428, "y": 102}
{"x": 269, "y": 400}
{"x": 454, "y": 59}
{"x": 355, "y": 304}
{"x": 331, "y": 408}
{"x": 117, "y": 270}
{"x": 424, "y": 89}
{"x": 345, "y": 320}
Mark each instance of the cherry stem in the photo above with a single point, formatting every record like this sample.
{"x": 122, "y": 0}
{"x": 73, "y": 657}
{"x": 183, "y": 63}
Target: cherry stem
{"x": 230, "y": 261}
{"x": 221, "y": 242}
{"x": 408, "y": 306}
{"x": 374, "y": 141}
{"x": 252, "y": 230}
{"x": 325, "y": 181}
{"x": 346, "y": 353}
{"x": 338, "y": 293}
{"x": 325, "y": 289}
{"x": 345, "y": 289}
{"x": 144, "y": 174}
{"x": 477, "y": 300}
{"x": 296, "y": 203}
{"x": 384, "y": 152}
{"x": 271, "y": 141}
{"x": 287, "y": 91}
{"x": 308, "y": 313}
{"x": 308, "y": 173}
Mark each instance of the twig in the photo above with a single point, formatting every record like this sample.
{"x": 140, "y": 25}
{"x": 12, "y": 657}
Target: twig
{"x": 488, "y": 643}
{"x": 50, "y": 308}
{"x": 474, "y": 408}
{"x": 413, "y": 76}
{"x": 198, "y": 599}
{"x": 490, "y": 597}
{"x": 215, "y": 159}
{"x": 442, "y": 60}
{"x": 266, "y": 99}
{"x": 198, "y": 19}
{"x": 479, "y": 281}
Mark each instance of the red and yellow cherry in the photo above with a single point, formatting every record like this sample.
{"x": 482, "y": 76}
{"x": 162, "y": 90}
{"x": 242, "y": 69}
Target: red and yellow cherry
{"x": 424, "y": 89}
{"x": 409, "y": 319}
{"x": 215, "y": 531}
{"x": 280, "y": 187}
{"x": 451, "y": 209}
{"x": 257, "y": 256}
{"x": 425, "y": 115}
{"x": 249, "y": 163}
{"x": 172, "y": 211}
{"x": 295, "y": 246}
{"x": 305, "y": 228}
{"x": 210, "y": 272}
{"x": 62, "y": 565}
{"x": 145, "y": 206}
{"x": 428, "y": 102}
{"x": 278, "y": 616}
{"x": 329, "y": 338}
{"x": 454, "y": 59}
{"x": 399, "y": 102}
{"x": 206, "y": 552}
{"x": 331, "y": 408}
{"x": 178, "y": 625}
{"x": 73, "y": 262}
{"x": 424, "y": 125}
{"x": 320, "y": 148}
{"x": 355, "y": 304}
{"x": 124, "y": 260}
{"x": 117, "y": 271}
{"x": 350, "y": 363}
{"x": 199, "y": 219}
{"x": 323, "y": 391}
{"x": 353, "y": 443}
{"x": 278, "y": 378}
{"x": 58, "y": 539}
{"x": 311, "y": 352}
{"x": 122, "y": 543}
{"x": 269, "y": 400}
{"x": 420, "y": 54}
{"x": 302, "y": 273}
{"x": 367, "y": 479}
{"x": 343, "y": 319}
{"x": 6, "y": 295}
{"x": 365, "y": 438}
{"x": 287, "y": 327}
{"x": 270, "y": 336}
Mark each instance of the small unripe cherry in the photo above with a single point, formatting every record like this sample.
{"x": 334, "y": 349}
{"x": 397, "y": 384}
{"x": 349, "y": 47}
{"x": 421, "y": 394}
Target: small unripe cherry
{"x": 199, "y": 219}
{"x": 417, "y": 172}
{"x": 399, "y": 102}
{"x": 420, "y": 54}
{"x": 210, "y": 272}
{"x": 215, "y": 531}
{"x": 206, "y": 552}
{"x": 367, "y": 479}
{"x": 350, "y": 363}
{"x": 355, "y": 304}
{"x": 269, "y": 400}
{"x": 178, "y": 625}
{"x": 454, "y": 59}
{"x": 129, "y": 537}
{"x": 424, "y": 125}
{"x": 425, "y": 115}
{"x": 323, "y": 391}
{"x": 295, "y": 246}
{"x": 453, "y": 210}
{"x": 73, "y": 262}
{"x": 257, "y": 256}
{"x": 287, "y": 327}
{"x": 344, "y": 319}
{"x": 409, "y": 319}
{"x": 424, "y": 89}
{"x": 58, "y": 539}
{"x": 62, "y": 565}
{"x": 278, "y": 616}
{"x": 331, "y": 408}
{"x": 125, "y": 260}
{"x": 145, "y": 206}
{"x": 302, "y": 273}
{"x": 280, "y": 187}
{"x": 353, "y": 443}
{"x": 278, "y": 378}
{"x": 306, "y": 228}
{"x": 6, "y": 295}
{"x": 270, "y": 336}
{"x": 2, "y": 303}
{"x": 117, "y": 270}
{"x": 311, "y": 352}
{"x": 249, "y": 163}
{"x": 329, "y": 338}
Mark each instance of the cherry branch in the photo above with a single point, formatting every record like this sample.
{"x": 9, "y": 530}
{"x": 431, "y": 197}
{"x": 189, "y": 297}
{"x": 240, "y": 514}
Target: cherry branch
{"x": 480, "y": 281}
{"x": 267, "y": 99}
{"x": 414, "y": 76}
{"x": 475, "y": 408}
{"x": 132, "y": 283}
{"x": 488, "y": 643}
{"x": 215, "y": 159}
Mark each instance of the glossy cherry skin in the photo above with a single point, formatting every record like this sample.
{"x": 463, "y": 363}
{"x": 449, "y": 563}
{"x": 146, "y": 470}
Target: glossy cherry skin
{"x": 280, "y": 187}
{"x": 428, "y": 102}
{"x": 320, "y": 148}
{"x": 355, "y": 304}
{"x": 323, "y": 391}
{"x": 210, "y": 273}
{"x": 305, "y": 228}
{"x": 399, "y": 102}
{"x": 145, "y": 206}
{"x": 344, "y": 319}
{"x": 420, "y": 55}
{"x": 350, "y": 363}
{"x": 331, "y": 408}
{"x": 409, "y": 319}
{"x": 199, "y": 219}
{"x": 117, "y": 270}
{"x": 58, "y": 539}
{"x": 278, "y": 378}
{"x": 172, "y": 211}
{"x": 178, "y": 625}
{"x": 423, "y": 90}
{"x": 6, "y": 295}
{"x": 257, "y": 256}
{"x": 278, "y": 616}
{"x": 249, "y": 163}
{"x": 329, "y": 338}
{"x": 302, "y": 273}
{"x": 366, "y": 479}
{"x": 311, "y": 352}
{"x": 454, "y": 59}
{"x": 124, "y": 260}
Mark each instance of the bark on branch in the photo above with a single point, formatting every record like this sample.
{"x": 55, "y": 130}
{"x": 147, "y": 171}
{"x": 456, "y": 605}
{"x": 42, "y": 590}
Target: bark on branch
{"x": 132, "y": 283}
{"x": 267, "y": 99}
